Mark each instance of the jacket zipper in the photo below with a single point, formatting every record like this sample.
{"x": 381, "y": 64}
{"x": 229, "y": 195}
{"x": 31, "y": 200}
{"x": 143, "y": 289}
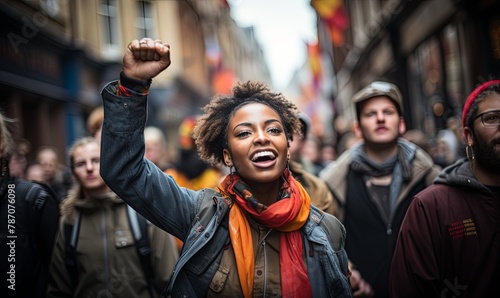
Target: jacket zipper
{"x": 264, "y": 248}
{"x": 105, "y": 247}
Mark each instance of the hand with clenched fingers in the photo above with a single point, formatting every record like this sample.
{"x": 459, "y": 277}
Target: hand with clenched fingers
{"x": 146, "y": 58}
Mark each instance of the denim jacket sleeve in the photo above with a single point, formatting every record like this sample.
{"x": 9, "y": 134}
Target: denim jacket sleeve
{"x": 133, "y": 178}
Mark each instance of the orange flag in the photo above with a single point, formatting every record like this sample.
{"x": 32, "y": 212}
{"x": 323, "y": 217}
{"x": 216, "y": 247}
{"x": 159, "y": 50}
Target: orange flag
{"x": 332, "y": 12}
{"x": 314, "y": 63}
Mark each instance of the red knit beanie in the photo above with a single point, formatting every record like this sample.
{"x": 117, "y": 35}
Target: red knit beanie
{"x": 472, "y": 97}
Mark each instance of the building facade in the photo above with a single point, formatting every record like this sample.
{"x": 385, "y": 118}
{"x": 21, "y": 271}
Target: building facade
{"x": 436, "y": 51}
{"x": 55, "y": 57}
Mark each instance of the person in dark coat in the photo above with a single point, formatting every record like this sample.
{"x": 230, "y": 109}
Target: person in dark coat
{"x": 375, "y": 180}
{"x": 448, "y": 244}
{"x": 29, "y": 217}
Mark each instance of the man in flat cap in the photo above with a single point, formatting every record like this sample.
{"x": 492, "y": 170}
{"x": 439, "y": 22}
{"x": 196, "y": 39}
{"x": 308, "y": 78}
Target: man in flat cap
{"x": 375, "y": 180}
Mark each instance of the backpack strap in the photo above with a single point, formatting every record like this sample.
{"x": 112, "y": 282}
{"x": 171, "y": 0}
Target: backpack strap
{"x": 334, "y": 231}
{"x": 36, "y": 194}
{"x": 72, "y": 233}
{"x": 139, "y": 226}
{"x": 336, "y": 234}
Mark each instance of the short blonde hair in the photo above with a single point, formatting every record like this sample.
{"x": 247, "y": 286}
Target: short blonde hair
{"x": 153, "y": 134}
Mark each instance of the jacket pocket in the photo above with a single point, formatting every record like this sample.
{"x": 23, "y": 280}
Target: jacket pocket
{"x": 219, "y": 279}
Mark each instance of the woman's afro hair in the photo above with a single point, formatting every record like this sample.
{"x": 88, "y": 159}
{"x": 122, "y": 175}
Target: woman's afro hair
{"x": 210, "y": 132}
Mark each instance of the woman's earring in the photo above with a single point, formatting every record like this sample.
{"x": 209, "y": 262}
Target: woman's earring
{"x": 230, "y": 166}
{"x": 469, "y": 152}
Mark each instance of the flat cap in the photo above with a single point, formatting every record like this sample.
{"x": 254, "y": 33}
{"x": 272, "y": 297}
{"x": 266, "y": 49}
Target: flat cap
{"x": 380, "y": 88}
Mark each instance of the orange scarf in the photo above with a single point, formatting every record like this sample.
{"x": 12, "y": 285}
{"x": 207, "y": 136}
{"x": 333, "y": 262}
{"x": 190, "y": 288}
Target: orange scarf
{"x": 287, "y": 215}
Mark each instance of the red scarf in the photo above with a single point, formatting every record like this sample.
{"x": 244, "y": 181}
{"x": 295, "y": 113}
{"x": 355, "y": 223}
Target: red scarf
{"x": 287, "y": 215}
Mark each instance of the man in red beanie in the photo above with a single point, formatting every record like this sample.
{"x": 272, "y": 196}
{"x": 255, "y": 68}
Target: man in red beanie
{"x": 448, "y": 245}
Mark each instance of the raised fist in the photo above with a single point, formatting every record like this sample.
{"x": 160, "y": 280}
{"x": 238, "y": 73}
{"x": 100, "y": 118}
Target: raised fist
{"x": 144, "y": 59}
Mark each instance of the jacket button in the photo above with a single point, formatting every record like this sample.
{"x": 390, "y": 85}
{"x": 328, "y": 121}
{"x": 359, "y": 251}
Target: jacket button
{"x": 259, "y": 272}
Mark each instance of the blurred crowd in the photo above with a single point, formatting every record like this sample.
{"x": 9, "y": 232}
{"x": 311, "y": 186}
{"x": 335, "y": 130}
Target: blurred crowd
{"x": 342, "y": 177}
{"x": 445, "y": 146}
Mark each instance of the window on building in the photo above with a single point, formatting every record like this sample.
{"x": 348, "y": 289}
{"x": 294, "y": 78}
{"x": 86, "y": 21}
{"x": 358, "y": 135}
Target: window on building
{"x": 421, "y": 113}
{"x": 435, "y": 79}
{"x": 110, "y": 24}
{"x": 145, "y": 20}
{"x": 495, "y": 43}
{"x": 426, "y": 81}
{"x": 51, "y": 7}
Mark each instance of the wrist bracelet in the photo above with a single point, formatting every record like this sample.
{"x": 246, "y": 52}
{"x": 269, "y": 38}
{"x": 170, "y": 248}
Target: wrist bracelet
{"x": 132, "y": 87}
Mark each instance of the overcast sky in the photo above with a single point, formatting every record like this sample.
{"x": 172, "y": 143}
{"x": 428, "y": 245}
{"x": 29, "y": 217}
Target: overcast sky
{"x": 282, "y": 28}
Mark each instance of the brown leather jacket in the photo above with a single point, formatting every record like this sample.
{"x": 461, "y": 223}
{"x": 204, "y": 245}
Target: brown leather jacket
{"x": 320, "y": 194}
